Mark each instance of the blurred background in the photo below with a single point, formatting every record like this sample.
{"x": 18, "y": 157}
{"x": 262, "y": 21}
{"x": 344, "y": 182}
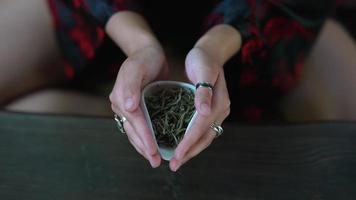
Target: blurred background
{"x": 32, "y": 77}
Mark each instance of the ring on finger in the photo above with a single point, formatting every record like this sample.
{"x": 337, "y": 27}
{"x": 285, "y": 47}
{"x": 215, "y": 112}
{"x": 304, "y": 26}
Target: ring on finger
{"x": 204, "y": 84}
{"x": 218, "y": 130}
{"x": 120, "y": 123}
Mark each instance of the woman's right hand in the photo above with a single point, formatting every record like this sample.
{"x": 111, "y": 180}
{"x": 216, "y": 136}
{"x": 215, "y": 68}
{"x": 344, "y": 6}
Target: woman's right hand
{"x": 145, "y": 63}
{"x": 139, "y": 69}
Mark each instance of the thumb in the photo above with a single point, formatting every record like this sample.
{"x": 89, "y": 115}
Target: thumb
{"x": 129, "y": 84}
{"x": 203, "y": 75}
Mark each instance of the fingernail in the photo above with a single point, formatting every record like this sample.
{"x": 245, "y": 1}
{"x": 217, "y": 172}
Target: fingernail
{"x": 129, "y": 103}
{"x": 153, "y": 165}
{"x": 155, "y": 160}
{"x": 175, "y": 165}
{"x": 205, "y": 108}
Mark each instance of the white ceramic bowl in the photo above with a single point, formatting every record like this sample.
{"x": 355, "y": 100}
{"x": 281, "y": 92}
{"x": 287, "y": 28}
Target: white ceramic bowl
{"x": 166, "y": 153}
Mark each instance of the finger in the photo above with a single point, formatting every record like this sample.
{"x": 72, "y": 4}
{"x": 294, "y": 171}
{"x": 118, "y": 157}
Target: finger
{"x": 148, "y": 144}
{"x": 139, "y": 129}
{"x": 132, "y": 87}
{"x": 142, "y": 130}
{"x": 135, "y": 141}
{"x": 189, "y": 146}
{"x": 154, "y": 161}
{"x": 200, "y": 70}
{"x": 200, "y": 125}
{"x": 131, "y": 134}
{"x": 137, "y": 147}
{"x": 202, "y": 100}
{"x": 197, "y": 148}
{"x": 202, "y": 144}
{"x": 140, "y": 141}
{"x": 127, "y": 90}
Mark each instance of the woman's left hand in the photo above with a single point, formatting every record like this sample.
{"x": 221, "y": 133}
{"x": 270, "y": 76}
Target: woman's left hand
{"x": 212, "y": 105}
{"x": 204, "y": 64}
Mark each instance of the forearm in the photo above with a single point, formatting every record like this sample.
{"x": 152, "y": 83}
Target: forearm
{"x": 221, "y": 42}
{"x": 131, "y": 32}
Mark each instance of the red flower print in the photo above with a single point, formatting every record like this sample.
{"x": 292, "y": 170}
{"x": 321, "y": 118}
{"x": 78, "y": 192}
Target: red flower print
{"x": 247, "y": 78}
{"x": 100, "y": 35}
{"x": 250, "y": 47}
{"x": 69, "y": 70}
{"x": 86, "y": 39}
{"x": 278, "y": 28}
{"x": 82, "y": 38}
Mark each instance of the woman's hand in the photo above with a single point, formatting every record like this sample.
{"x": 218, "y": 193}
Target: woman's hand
{"x": 212, "y": 106}
{"x": 145, "y": 63}
{"x": 204, "y": 63}
{"x": 137, "y": 71}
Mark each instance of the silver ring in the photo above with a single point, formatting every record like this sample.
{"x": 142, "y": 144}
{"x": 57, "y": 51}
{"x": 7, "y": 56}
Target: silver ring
{"x": 120, "y": 123}
{"x": 204, "y": 84}
{"x": 217, "y": 129}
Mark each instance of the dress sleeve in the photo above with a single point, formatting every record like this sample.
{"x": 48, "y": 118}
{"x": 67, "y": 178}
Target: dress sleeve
{"x": 276, "y": 34}
{"x": 79, "y": 26}
{"x": 98, "y": 10}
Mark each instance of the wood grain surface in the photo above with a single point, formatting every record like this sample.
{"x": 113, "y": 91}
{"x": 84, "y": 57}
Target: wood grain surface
{"x": 63, "y": 157}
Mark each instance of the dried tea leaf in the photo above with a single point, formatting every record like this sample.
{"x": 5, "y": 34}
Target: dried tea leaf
{"x": 171, "y": 110}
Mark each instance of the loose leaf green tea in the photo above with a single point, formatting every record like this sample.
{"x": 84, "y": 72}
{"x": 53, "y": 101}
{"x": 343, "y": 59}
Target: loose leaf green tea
{"x": 171, "y": 110}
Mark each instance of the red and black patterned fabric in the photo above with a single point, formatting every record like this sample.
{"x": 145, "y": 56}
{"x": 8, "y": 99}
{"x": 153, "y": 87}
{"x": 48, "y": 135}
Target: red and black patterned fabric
{"x": 277, "y": 35}
{"x": 79, "y": 27}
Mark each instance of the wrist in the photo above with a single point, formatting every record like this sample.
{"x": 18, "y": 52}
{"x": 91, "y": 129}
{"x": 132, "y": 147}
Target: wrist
{"x": 221, "y": 42}
{"x": 143, "y": 40}
{"x": 130, "y": 32}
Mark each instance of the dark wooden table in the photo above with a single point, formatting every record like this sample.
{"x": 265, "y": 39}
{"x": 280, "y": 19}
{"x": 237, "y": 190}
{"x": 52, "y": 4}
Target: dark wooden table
{"x": 61, "y": 157}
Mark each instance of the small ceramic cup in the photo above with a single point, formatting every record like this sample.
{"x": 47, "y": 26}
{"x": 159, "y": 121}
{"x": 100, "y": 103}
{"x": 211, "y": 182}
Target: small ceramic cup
{"x": 166, "y": 152}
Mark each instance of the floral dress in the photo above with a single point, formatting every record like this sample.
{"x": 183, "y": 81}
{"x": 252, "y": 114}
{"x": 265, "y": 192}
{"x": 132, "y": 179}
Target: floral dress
{"x": 276, "y": 35}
